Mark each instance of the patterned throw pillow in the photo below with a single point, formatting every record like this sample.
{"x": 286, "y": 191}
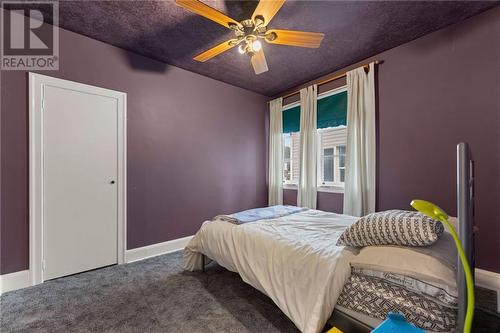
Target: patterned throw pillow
{"x": 392, "y": 227}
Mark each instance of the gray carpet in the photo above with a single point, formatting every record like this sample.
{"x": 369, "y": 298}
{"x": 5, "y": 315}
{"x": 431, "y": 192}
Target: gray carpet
{"x": 153, "y": 295}
{"x": 156, "y": 295}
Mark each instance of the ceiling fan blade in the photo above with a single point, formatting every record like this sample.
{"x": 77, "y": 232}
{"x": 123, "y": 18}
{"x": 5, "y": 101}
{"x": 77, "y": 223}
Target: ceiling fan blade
{"x": 267, "y": 9}
{"x": 216, "y": 50}
{"x": 259, "y": 62}
{"x": 210, "y": 13}
{"x": 295, "y": 38}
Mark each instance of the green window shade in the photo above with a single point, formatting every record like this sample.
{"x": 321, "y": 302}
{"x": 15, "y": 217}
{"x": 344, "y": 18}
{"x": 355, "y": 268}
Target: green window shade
{"x": 291, "y": 120}
{"x": 332, "y": 110}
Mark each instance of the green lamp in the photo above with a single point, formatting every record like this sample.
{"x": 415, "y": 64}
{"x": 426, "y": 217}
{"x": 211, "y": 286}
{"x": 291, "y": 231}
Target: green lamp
{"x": 436, "y": 213}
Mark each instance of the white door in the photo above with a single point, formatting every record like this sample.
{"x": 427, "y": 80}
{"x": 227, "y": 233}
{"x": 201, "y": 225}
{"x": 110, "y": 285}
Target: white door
{"x": 80, "y": 170}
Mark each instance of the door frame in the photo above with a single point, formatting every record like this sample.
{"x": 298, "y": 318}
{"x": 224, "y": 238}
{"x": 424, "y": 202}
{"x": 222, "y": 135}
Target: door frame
{"x": 37, "y": 83}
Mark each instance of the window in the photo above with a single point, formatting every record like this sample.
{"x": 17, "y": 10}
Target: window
{"x": 331, "y": 156}
{"x": 287, "y": 154}
{"x": 291, "y": 158}
{"x": 327, "y": 164}
{"x": 341, "y": 168}
{"x": 332, "y": 140}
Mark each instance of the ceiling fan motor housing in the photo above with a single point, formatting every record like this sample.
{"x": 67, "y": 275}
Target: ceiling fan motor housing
{"x": 249, "y": 32}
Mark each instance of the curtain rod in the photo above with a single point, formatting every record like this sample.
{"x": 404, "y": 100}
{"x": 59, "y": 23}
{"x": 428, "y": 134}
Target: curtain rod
{"x": 336, "y": 77}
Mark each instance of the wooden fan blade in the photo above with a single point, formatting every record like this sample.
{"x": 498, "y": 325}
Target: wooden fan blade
{"x": 216, "y": 50}
{"x": 210, "y": 13}
{"x": 259, "y": 62}
{"x": 295, "y": 38}
{"x": 267, "y": 9}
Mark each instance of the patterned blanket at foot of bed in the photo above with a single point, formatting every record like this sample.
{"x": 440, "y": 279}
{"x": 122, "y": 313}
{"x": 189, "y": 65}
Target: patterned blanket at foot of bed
{"x": 375, "y": 297}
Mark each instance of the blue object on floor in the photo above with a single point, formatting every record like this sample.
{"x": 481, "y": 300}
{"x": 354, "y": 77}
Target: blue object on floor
{"x": 396, "y": 323}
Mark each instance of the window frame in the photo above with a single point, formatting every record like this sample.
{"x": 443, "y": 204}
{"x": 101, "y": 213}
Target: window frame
{"x": 339, "y": 168}
{"x": 288, "y": 182}
{"x": 333, "y": 187}
{"x": 321, "y": 168}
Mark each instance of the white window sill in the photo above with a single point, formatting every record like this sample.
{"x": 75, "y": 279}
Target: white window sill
{"x": 331, "y": 189}
{"x": 327, "y": 189}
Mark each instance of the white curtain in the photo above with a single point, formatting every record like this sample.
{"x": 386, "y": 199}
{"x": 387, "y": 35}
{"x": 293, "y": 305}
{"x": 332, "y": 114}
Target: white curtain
{"x": 359, "y": 193}
{"x": 306, "y": 194}
{"x": 275, "y": 196}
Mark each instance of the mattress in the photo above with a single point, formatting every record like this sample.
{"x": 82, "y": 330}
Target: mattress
{"x": 369, "y": 299}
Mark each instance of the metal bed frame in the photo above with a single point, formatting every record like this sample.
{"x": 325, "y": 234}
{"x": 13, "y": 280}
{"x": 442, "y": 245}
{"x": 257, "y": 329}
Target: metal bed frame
{"x": 347, "y": 323}
{"x": 465, "y": 215}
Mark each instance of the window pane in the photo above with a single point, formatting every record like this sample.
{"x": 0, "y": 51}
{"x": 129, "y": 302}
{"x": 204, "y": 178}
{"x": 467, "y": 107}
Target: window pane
{"x": 291, "y": 120}
{"x": 290, "y": 157}
{"x": 286, "y": 157}
{"x": 295, "y": 156}
{"x": 331, "y": 142}
{"x": 342, "y": 175}
{"x": 328, "y": 152}
{"x": 286, "y": 171}
{"x": 332, "y": 110}
{"x": 287, "y": 153}
{"x": 328, "y": 166}
{"x": 341, "y": 157}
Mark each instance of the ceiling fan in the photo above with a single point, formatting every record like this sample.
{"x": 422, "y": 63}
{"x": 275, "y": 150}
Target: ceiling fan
{"x": 249, "y": 32}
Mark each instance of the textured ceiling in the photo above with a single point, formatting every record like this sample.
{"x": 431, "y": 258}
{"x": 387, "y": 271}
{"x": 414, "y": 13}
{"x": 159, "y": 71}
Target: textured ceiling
{"x": 354, "y": 30}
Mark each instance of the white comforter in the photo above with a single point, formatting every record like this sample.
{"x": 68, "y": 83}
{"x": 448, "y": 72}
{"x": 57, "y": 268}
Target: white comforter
{"x": 292, "y": 259}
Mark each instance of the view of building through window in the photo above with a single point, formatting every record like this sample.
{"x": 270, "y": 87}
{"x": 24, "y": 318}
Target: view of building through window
{"x": 291, "y": 158}
{"x": 331, "y": 156}
{"x": 332, "y": 143}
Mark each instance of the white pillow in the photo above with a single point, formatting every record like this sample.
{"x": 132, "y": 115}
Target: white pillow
{"x": 392, "y": 227}
{"x": 435, "y": 263}
{"x": 454, "y": 222}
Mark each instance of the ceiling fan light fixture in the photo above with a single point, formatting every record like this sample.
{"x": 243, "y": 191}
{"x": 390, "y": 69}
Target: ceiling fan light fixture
{"x": 256, "y": 45}
{"x": 242, "y": 49}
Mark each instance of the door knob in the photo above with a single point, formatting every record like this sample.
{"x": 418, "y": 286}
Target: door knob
{"x": 112, "y": 182}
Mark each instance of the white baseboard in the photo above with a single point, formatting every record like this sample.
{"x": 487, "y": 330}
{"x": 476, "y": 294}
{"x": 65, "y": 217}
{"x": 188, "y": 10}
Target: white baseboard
{"x": 13, "y": 281}
{"x": 489, "y": 280}
{"x": 156, "y": 249}
{"x": 22, "y": 279}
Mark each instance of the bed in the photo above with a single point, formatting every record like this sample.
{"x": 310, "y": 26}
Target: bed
{"x": 293, "y": 259}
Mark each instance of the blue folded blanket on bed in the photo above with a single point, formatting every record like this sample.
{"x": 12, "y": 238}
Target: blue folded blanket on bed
{"x": 257, "y": 214}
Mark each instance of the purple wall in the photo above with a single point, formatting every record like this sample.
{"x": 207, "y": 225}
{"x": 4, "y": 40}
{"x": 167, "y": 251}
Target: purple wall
{"x": 327, "y": 201}
{"x": 196, "y": 146}
{"x": 433, "y": 93}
